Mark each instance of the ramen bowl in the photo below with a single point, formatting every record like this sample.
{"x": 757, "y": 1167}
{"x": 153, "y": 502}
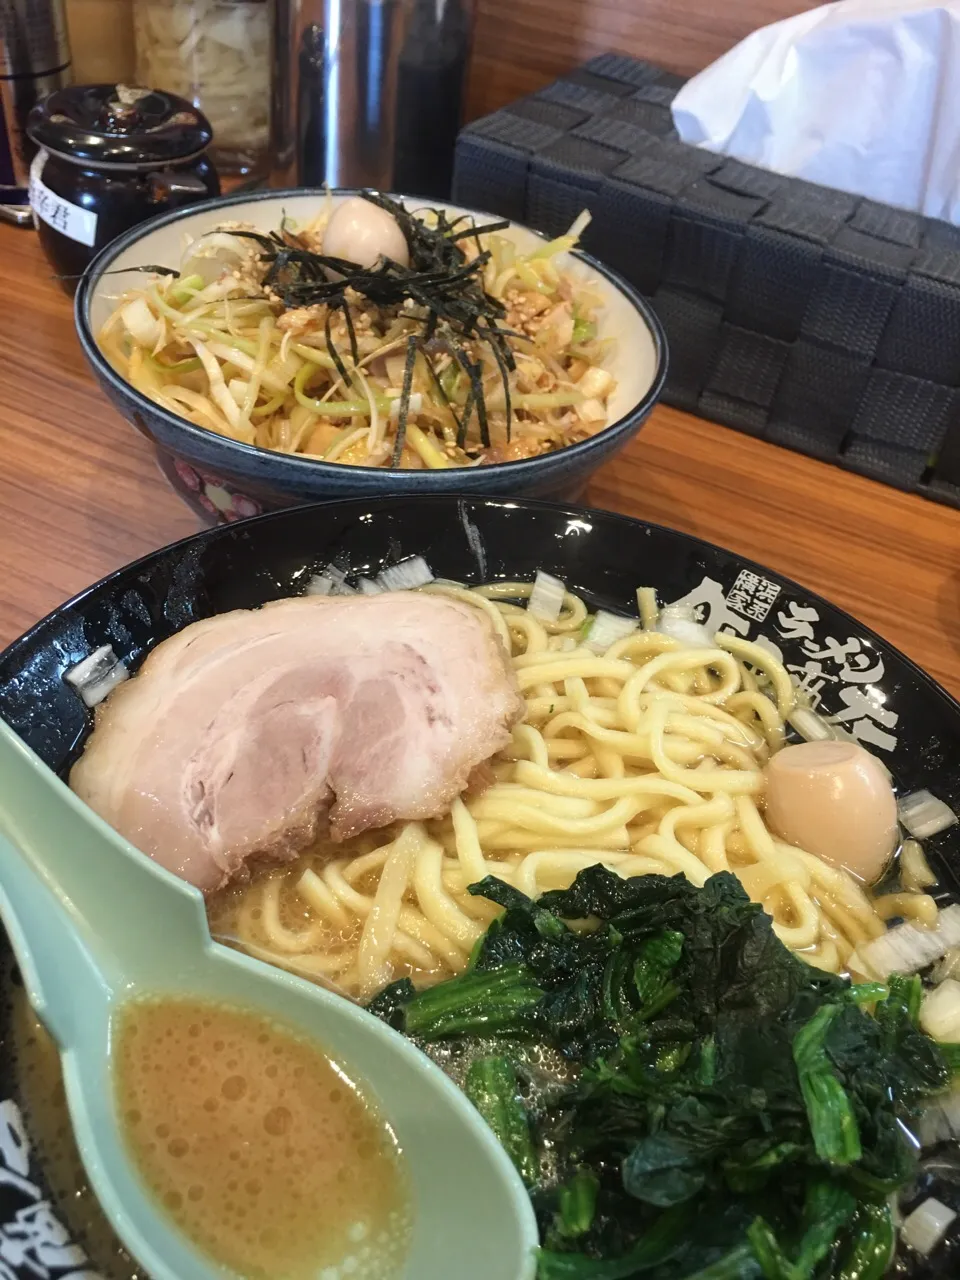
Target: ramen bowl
{"x": 223, "y": 479}
{"x": 911, "y": 724}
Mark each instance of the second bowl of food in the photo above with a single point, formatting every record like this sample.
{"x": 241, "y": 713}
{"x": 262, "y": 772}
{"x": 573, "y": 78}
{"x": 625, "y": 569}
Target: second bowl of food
{"x": 287, "y": 346}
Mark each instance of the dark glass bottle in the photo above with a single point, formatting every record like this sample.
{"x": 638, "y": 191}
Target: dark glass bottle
{"x": 430, "y": 95}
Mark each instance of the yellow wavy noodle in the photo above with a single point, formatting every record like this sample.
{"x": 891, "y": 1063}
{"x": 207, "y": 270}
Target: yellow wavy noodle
{"x": 647, "y": 758}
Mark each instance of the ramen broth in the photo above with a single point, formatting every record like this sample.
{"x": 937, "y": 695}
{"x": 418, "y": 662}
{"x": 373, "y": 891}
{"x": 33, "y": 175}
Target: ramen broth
{"x": 38, "y": 1084}
{"x": 257, "y": 1145}
{"x": 239, "y": 916}
{"x": 39, "y": 1089}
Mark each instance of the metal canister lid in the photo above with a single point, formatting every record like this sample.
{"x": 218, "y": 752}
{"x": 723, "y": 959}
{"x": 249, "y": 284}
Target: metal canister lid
{"x": 119, "y": 125}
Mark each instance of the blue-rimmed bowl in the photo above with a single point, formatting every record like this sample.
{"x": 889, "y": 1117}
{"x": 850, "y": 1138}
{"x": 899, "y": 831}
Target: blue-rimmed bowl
{"x": 223, "y": 479}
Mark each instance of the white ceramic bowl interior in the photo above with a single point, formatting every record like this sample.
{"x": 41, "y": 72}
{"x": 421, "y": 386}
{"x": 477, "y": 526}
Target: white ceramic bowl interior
{"x": 633, "y": 359}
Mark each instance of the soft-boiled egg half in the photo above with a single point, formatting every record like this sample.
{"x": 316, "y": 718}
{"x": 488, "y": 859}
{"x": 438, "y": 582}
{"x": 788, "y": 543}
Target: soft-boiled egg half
{"x": 834, "y": 799}
{"x": 361, "y": 232}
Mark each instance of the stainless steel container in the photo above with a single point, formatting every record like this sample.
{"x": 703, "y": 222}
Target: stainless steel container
{"x": 373, "y": 92}
{"x": 34, "y": 61}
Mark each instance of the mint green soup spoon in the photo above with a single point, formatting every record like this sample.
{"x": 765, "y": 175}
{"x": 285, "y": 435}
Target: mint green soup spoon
{"x": 94, "y": 923}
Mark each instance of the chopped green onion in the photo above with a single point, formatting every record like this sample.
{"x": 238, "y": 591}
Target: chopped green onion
{"x": 271, "y": 407}
{"x": 940, "y": 1012}
{"x": 190, "y": 365}
{"x": 924, "y": 815}
{"x": 425, "y": 446}
{"x": 96, "y": 675}
{"x": 583, "y": 330}
{"x": 810, "y": 726}
{"x": 546, "y": 598}
{"x": 313, "y": 354}
{"x": 140, "y": 322}
{"x": 606, "y": 629}
{"x": 184, "y": 289}
{"x": 406, "y": 576}
{"x": 923, "y": 1229}
{"x": 907, "y": 948}
{"x": 678, "y": 621}
{"x": 333, "y": 408}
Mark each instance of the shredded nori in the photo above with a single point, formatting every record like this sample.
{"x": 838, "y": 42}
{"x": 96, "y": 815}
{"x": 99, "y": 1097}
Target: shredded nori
{"x": 439, "y": 279}
{"x": 404, "y": 401}
{"x": 335, "y": 354}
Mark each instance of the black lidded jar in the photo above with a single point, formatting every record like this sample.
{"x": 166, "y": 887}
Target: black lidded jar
{"x": 111, "y": 156}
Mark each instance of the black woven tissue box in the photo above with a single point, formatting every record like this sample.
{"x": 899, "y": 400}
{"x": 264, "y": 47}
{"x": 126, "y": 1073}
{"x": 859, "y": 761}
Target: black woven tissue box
{"x": 803, "y": 315}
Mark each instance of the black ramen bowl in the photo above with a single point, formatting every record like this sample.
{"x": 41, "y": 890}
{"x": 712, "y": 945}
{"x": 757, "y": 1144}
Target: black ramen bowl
{"x": 225, "y": 480}
{"x": 881, "y": 697}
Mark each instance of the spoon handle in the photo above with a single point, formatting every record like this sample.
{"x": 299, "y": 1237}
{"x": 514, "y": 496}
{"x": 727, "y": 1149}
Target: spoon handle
{"x": 46, "y": 949}
{"x": 131, "y": 917}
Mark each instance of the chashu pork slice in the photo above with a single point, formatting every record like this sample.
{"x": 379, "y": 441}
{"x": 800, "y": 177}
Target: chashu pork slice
{"x": 245, "y": 733}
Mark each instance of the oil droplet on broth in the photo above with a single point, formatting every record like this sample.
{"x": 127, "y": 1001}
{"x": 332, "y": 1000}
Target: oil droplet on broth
{"x": 320, "y": 1158}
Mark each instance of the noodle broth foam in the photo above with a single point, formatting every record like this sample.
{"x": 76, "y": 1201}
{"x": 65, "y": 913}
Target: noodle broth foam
{"x": 257, "y": 1145}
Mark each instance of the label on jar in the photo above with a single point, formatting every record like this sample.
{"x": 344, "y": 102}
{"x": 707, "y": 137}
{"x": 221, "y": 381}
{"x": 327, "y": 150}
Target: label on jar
{"x": 69, "y": 219}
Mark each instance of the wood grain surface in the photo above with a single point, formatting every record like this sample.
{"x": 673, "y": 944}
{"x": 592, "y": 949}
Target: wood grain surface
{"x": 523, "y": 44}
{"x": 80, "y": 493}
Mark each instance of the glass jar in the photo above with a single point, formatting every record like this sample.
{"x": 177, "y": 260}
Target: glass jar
{"x": 110, "y": 157}
{"x": 101, "y": 41}
{"x": 218, "y": 54}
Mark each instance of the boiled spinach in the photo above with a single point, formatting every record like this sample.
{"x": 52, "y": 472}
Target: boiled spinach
{"x": 730, "y": 1112}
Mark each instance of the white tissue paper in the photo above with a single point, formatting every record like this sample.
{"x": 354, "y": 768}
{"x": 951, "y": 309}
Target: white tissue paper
{"x": 863, "y": 95}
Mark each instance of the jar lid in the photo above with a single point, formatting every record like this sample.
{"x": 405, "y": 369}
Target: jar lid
{"x": 118, "y": 125}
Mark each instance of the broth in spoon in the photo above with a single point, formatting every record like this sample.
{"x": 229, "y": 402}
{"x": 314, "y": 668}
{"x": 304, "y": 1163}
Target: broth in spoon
{"x": 257, "y": 1144}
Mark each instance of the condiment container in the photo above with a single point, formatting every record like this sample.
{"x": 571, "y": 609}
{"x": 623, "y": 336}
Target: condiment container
{"x": 101, "y": 41}
{"x": 431, "y": 89}
{"x": 109, "y": 157}
{"x": 219, "y": 55}
{"x": 34, "y": 61}
{"x": 371, "y": 92}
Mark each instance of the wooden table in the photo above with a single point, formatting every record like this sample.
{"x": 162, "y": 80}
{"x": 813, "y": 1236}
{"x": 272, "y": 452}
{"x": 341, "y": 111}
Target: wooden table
{"x": 80, "y": 492}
